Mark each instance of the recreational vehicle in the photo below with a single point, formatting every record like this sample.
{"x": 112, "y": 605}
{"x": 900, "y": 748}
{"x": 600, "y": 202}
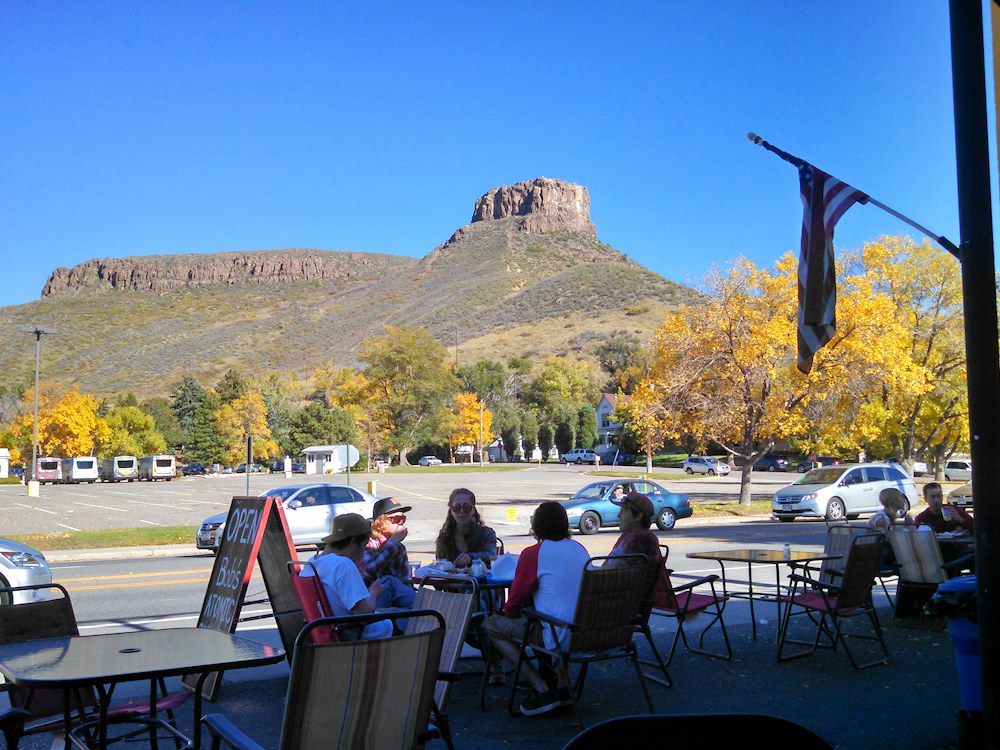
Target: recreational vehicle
{"x": 120, "y": 469}
{"x": 48, "y": 469}
{"x": 160, "y": 466}
{"x": 79, "y": 469}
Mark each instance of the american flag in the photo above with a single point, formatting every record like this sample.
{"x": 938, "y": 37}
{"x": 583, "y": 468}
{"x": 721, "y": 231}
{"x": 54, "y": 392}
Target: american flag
{"x": 825, "y": 199}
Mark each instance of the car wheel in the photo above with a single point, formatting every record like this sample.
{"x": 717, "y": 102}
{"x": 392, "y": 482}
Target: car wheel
{"x": 6, "y": 597}
{"x": 689, "y": 470}
{"x": 835, "y": 509}
{"x": 590, "y": 523}
{"x": 786, "y": 519}
{"x": 947, "y": 478}
{"x": 666, "y": 519}
{"x": 711, "y": 472}
{"x": 771, "y": 467}
{"x": 579, "y": 461}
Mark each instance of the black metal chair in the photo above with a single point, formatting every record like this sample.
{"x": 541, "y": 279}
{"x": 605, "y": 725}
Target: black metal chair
{"x": 825, "y": 602}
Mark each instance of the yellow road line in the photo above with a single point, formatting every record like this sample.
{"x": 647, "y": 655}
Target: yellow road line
{"x": 136, "y": 584}
{"x": 203, "y": 571}
{"x": 410, "y": 493}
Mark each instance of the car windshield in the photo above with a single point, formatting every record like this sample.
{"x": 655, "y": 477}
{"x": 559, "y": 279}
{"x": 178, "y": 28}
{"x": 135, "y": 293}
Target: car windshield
{"x": 820, "y": 476}
{"x": 590, "y": 492}
{"x": 281, "y": 492}
{"x": 712, "y": 461}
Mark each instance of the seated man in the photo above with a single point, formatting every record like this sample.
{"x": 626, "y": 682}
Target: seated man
{"x": 337, "y": 569}
{"x": 939, "y": 516}
{"x": 549, "y": 572}
{"x": 384, "y": 559}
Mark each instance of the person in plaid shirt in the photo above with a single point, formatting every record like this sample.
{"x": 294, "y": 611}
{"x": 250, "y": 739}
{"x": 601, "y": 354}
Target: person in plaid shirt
{"x": 384, "y": 558}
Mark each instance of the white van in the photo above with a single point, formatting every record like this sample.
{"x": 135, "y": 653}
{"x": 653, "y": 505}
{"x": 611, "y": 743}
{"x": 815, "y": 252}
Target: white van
{"x": 48, "y": 469}
{"x": 160, "y": 466}
{"x": 79, "y": 469}
{"x": 120, "y": 469}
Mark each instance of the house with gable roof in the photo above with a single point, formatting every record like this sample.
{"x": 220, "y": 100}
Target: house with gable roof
{"x": 609, "y": 432}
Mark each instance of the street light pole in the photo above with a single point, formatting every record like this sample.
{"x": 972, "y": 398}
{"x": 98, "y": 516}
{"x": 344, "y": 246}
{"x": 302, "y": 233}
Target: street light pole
{"x": 37, "y": 332}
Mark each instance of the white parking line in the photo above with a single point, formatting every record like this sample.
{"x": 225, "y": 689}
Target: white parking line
{"x": 34, "y": 507}
{"x": 80, "y": 494}
{"x": 71, "y": 528}
{"x": 156, "y": 505}
{"x": 105, "y": 507}
{"x": 151, "y": 523}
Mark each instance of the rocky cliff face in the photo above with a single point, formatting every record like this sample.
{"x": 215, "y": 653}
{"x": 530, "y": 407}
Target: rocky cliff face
{"x": 546, "y": 205}
{"x": 158, "y": 273}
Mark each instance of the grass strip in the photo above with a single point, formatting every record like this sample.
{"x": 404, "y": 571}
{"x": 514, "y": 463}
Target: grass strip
{"x": 100, "y": 538}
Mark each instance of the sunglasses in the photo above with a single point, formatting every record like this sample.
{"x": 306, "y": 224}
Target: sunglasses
{"x": 400, "y": 518}
{"x": 462, "y": 508}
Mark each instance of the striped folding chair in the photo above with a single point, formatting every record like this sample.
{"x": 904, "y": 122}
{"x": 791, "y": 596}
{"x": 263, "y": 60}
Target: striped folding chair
{"x": 365, "y": 693}
{"x": 921, "y": 569}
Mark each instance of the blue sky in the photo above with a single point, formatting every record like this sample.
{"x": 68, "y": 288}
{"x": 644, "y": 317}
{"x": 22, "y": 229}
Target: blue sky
{"x": 143, "y": 128}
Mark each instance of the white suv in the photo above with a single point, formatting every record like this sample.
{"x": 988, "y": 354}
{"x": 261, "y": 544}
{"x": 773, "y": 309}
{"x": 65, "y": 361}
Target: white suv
{"x": 705, "y": 465}
{"x": 579, "y": 456}
{"x": 833, "y": 492}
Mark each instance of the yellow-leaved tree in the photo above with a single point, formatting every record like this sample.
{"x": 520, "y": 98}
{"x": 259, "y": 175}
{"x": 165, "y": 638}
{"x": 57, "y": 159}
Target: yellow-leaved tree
{"x": 245, "y": 416}
{"x": 465, "y": 423}
{"x": 349, "y": 390}
{"x": 68, "y": 424}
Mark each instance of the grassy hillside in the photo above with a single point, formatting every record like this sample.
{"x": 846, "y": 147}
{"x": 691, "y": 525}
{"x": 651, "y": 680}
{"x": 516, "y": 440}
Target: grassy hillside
{"x": 502, "y": 291}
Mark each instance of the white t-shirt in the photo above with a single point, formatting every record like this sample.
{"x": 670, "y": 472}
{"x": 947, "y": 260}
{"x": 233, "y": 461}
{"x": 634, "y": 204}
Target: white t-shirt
{"x": 344, "y": 588}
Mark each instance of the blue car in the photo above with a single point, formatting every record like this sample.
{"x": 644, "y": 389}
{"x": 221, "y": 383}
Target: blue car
{"x": 591, "y": 508}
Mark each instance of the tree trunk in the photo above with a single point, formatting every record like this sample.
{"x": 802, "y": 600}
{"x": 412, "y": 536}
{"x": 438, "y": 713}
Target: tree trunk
{"x": 402, "y": 457}
{"x": 745, "y": 482}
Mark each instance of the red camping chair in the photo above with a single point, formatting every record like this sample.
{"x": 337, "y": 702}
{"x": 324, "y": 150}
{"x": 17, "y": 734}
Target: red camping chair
{"x": 312, "y": 597}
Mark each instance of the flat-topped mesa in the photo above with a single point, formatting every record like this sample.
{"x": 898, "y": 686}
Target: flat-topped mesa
{"x": 545, "y": 205}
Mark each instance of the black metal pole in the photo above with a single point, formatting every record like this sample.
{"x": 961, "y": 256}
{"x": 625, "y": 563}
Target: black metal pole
{"x": 983, "y": 363}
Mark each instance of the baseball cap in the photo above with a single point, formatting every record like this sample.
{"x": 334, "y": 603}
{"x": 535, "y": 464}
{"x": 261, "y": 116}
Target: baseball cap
{"x": 637, "y": 501}
{"x": 389, "y": 505}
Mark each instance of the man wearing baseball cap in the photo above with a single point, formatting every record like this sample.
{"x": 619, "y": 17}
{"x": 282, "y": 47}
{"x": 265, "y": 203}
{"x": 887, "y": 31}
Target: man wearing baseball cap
{"x": 384, "y": 559}
{"x": 337, "y": 569}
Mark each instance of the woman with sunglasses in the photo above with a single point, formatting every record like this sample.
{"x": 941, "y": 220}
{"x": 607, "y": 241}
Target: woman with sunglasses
{"x": 384, "y": 559}
{"x": 464, "y": 537}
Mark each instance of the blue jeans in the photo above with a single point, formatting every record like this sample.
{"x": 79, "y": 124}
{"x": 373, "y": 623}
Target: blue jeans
{"x": 397, "y": 594}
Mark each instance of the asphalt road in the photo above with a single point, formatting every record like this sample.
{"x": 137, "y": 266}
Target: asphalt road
{"x": 189, "y": 500}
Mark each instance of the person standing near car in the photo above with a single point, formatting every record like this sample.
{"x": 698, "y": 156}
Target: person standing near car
{"x": 384, "y": 559}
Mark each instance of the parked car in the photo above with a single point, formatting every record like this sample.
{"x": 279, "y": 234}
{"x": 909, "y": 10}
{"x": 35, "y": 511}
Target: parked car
{"x": 16, "y": 471}
{"x": 279, "y": 466}
{"x": 805, "y": 465}
{"x": 833, "y": 492}
{"x": 614, "y": 457}
{"x": 961, "y": 496}
{"x": 578, "y": 456}
{"x": 21, "y": 565}
{"x": 705, "y": 465}
{"x": 591, "y": 507}
{"x": 772, "y": 463}
{"x": 309, "y": 511}
{"x": 254, "y": 468}
{"x": 194, "y": 469}
{"x": 919, "y": 467}
{"x": 958, "y": 470}
{"x": 430, "y": 461}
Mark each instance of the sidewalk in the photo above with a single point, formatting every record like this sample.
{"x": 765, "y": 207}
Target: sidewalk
{"x": 909, "y": 704}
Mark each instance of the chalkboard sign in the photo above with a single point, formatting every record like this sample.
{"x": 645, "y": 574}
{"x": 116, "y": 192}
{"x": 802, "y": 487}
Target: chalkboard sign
{"x": 249, "y": 520}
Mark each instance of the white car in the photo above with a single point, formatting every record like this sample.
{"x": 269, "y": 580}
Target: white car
{"x": 21, "y": 565}
{"x": 430, "y": 461}
{"x": 705, "y": 465}
{"x": 958, "y": 470}
{"x": 579, "y": 456}
{"x": 833, "y": 492}
{"x": 309, "y": 511}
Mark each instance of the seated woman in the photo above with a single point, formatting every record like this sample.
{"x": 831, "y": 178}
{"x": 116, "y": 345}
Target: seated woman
{"x": 384, "y": 559}
{"x": 635, "y": 518}
{"x": 464, "y": 537}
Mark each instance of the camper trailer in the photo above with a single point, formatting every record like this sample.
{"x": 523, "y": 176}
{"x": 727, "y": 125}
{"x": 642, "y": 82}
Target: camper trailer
{"x": 120, "y": 469}
{"x": 48, "y": 469}
{"x": 160, "y": 466}
{"x": 79, "y": 469}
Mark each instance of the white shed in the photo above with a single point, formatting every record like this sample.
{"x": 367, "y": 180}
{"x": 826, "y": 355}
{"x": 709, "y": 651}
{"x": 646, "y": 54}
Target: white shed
{"x": 330, "y": 459}
{"x": 4, "y": 463}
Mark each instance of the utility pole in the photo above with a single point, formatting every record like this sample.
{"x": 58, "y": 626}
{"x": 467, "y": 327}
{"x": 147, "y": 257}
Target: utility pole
{"x": 37, "y": 332}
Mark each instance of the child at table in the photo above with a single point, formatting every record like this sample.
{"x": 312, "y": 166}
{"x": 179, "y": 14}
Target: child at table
{"x": 893, "y": 511}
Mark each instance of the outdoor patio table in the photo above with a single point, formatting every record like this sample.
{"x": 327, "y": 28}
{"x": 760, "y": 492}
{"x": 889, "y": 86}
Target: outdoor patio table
{"x": 760, "y": 556}
{"x": 102, "y": 661}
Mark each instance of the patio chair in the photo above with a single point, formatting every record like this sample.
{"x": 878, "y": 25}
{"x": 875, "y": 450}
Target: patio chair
{"x": 839, "y": 537}
{"x": 602, "y": 628}
{"x": 654, "y": 582}
{"x": 12, "y": 725}
{"x": 454, "y": 600}
{"x": 835, "y": 602}
{"x": 54, "y": 618}
{"x": 683, "y": 603}
{"x": 368, "y": 693}
{"x": 312, "y": 598}
{"x": 921, "y": 569}
{"x": 725, "y": 730}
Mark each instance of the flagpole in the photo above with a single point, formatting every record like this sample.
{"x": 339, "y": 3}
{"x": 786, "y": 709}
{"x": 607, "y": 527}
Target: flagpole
{"x": 799, "y": 163}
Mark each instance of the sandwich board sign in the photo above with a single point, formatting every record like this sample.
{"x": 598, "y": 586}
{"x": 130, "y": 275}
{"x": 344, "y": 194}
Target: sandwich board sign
{"x": 255, "y": 531}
